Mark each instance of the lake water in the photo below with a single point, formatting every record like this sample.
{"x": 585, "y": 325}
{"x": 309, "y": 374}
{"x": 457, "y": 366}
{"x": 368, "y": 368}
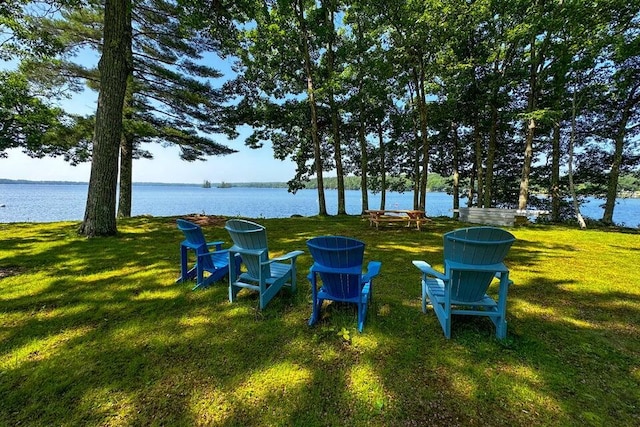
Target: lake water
{"x": 57, "y": 202}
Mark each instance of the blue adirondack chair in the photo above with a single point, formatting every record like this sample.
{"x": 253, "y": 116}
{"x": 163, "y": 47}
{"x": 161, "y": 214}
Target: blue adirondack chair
{"x": 215, "y": 263}
{"x": 338, "y": 261}
{"x": 267, "y": 276}
{"x": 473, "y": 257}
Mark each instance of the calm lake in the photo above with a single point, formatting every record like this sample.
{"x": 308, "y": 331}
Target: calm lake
{"x": 61, "y": 202}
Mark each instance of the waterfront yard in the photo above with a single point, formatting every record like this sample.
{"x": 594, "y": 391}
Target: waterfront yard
{"x": 97, "y": 332}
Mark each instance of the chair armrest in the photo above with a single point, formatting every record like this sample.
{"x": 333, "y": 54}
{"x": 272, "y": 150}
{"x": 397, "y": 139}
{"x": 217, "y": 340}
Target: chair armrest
{"x": 319, "y": 268}
{"x": 428, "y": 270}
{"x": 220, "y": 252}
{"x": 292, "y": 254}
{"x": 254, "y": 252}
{"x": 373, "y": 269}
{"x": 492, "y": 268}
{"x": 217, "y": 244}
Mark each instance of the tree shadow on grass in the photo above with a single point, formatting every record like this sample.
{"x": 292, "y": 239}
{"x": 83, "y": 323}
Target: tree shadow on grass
{"x": 91, "y": 346}
{"x": 151, "y": 353}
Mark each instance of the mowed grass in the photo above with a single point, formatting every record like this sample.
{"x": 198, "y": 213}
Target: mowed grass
{"x": 97, "y": 332}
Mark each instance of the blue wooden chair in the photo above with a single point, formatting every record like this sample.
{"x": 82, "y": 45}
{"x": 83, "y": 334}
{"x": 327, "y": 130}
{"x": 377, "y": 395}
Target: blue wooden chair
{"x": 473, "y": 257}
{"x": 215, "y": 263}
{"x": 338, "y": 261}
{"x": 267, "y": 276}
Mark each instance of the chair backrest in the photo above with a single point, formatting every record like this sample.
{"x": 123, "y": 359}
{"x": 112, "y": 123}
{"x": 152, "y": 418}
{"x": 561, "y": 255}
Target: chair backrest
{"x": 196, "y": 240}
{"x": 475, "y": 246}
{"x": 251, "y": 237}
{"x": 340, "y": 262}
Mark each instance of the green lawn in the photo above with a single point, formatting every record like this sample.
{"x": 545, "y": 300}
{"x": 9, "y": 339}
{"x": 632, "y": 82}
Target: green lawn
{"x": 96, "y": 332}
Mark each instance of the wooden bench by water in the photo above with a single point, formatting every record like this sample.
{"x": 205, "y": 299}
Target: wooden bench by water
{"x": 497, "y": 216}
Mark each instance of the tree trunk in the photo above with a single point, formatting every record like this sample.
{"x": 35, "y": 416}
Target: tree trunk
{"x": 491, "y": 158}
{"x": 422, "y": 105}
{"x": 456, "y": 170}
{"x": 383, "y": 169}
{"x": 572, "y": 188}
{"x": 416, "y": 151}
{"x": 537, "y": 59}
{"x": 335, "y": 122}
{"x": 492, "y": 146}
{"x": 126, "y": 154}
{"x": 555, "y": 174}
{"x": 471, "y": 192}
{"x": 317, "y": 153}
{"x": 477, "y": 137}
{"x": 523, "y": 198}
{"x": 614, "y": 175}
{"x": 114, "y": 66}
{"x": 526, "y": 167}
{"x": 126, "y": 174}
{"x": 364, "y": 163}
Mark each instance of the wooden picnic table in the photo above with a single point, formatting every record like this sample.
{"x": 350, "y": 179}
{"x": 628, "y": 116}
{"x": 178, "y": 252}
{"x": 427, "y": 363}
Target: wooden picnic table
{"x": 409, "y": 216}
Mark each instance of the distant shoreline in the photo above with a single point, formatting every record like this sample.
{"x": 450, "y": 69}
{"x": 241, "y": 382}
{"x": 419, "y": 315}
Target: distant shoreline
{"x": 185, "y": 184}
{"x": 224, "y": 184}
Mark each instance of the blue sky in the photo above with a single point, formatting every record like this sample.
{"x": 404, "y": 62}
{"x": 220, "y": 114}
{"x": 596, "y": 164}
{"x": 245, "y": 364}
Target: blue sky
{"x": 247, "y": 165}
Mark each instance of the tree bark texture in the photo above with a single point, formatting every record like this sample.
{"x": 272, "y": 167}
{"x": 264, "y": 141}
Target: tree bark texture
{"x": 572, "y": 187}
{"x": 114, "y": 66}
{"x": 555, "y": 174}
{"x": 364, "y": 163}
{"x": 126, "y": 150}
{"x": 491, "y": 159}
{"x": 335, "y": 121}
{"x": 614, "y": 177}
{"x": 383, "y": 167}
{"x": 456, "y": 170}
{"x": 416, "y": 150}
{"x": 526, "y": 167}
{"x": 422, "y": 105}
{"x": 479, "y": 150}
{"x": 618, "y": 151}
{"x": 523, "y": 198}
{"x": 126, "y": 177}
{"x": 317, "y": 153}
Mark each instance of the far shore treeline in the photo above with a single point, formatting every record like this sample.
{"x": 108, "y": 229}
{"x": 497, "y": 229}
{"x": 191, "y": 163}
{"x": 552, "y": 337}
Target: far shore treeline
{"x": 629, "y": 184}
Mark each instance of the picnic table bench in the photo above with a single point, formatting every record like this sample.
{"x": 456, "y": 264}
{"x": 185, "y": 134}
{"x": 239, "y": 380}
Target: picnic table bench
{"x": 382, "y": 216}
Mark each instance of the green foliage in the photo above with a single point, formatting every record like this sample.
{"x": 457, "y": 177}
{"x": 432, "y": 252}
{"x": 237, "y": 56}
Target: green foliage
{"x": 435, "y": 183}
{"x": 97, "y": 332}
{"x": 28, "y": 122}
{"x": 20, "y": 34}
{"x": 379, "y": 89}
{"x": 629, "y": 183}
{"x": 170, "y": 98}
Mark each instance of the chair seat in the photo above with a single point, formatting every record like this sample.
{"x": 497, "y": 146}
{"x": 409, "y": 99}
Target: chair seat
{"x": 279, "y": 269}
{"x": 436, "y": 292}
{"x": 220, "y": 259}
